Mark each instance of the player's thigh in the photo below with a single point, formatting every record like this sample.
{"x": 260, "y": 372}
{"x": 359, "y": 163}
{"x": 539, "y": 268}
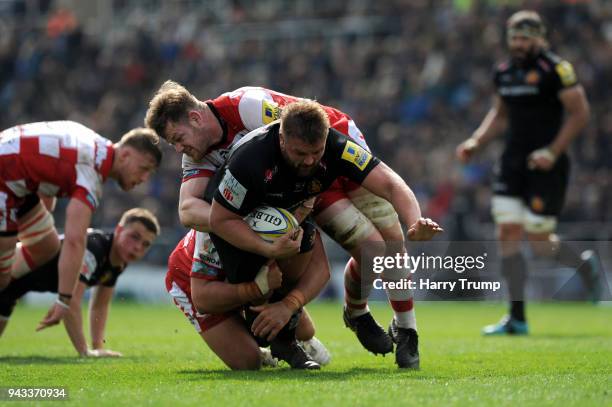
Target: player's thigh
{"x": 233, "y": 344}
{"x": 37, "y": 232}
{"x": 348, "y": 226}
{"x": 378, "y": 210}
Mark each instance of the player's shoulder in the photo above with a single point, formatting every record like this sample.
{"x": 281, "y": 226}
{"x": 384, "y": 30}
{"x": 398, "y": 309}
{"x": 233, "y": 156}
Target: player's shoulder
{"x": 98, "y": 237}
{"x": 257, "y": 143}
{"x": 558, "y": 66}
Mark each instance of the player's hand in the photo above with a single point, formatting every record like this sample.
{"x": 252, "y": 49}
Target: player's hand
{"x": 287, "y": 245}
{"x": 542, "y": 159}
{"x": 54, "y": 316}
{"x": 304, "y": 209}
{"x": 466, "y": 150}
{"x": 269, "y": 278}
{"x": 271, "y": 319}
{"x": 102, "y": 353}
{"x": 424, "y": 229}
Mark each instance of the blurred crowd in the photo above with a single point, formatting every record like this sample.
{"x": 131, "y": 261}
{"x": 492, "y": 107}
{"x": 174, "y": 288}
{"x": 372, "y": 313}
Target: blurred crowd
{"x": 416, "y": 75}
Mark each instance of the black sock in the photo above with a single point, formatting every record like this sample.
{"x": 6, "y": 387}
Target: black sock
{"x": 514, "y": 270}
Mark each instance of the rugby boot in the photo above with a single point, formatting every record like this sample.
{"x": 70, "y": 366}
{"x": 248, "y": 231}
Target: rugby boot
{"x": 371, "y": 335}
{"x": 407, "y": 349}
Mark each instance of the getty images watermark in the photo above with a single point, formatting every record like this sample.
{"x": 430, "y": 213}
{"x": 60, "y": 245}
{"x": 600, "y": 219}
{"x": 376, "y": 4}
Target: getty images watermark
{"x": 476, "y": 271}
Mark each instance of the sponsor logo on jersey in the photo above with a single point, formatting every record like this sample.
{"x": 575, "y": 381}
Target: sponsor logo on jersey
{"x": 269, "y": 174}
{"x": 203, "y": 268}
{"x": 532, "y": 77}
{"x": 89, "y": 264}
{"x": 357, "y": 155}
{"x": 269, "y": 112}
{"x": 520, "y": 90}
{"x": 566, "y": 73}
{"x": 232, "y": 190}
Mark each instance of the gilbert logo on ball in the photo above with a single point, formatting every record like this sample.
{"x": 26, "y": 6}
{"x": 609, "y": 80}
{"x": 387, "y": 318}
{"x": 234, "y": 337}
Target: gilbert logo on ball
{"x": 270, "y": 223}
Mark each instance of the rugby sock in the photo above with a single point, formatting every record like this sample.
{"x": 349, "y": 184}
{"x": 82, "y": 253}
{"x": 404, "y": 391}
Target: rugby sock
{"x": 356, "y": 292}
{"x": 401, "y": 300}
{"x": 514, "y": 270}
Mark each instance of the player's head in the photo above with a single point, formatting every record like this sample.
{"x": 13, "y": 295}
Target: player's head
{"x": 182, "y": 120}
{"x": 303, "y": 133}
{"x": 134, "y": 234}
{"x": 525, "y": 34}
{"x": 137, "y": 155}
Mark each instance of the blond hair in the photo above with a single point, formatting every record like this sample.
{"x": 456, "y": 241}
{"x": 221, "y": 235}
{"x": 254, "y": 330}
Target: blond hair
{"x": 142, "y": 215}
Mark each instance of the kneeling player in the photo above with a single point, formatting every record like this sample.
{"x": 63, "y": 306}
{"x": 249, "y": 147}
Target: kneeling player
{"x": 106, "y": 256}
{"x": 196, "y": 282}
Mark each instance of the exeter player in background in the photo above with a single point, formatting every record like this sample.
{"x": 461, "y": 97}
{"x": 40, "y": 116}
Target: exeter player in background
{"x": 542, "y": 108}
{"x": 106, "y": 257}
{"x": 351, "y": 215}
{"x": 61, "y": 159}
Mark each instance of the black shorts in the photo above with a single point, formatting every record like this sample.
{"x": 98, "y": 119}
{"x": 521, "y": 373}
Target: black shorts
{"x": 241, "y": 266}
{"x": 43, "y": 279}
{"x": 543, "y": 192}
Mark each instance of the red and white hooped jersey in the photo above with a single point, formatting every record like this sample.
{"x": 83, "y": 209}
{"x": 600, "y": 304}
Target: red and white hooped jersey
{"x": 59, "y": 158}
{"x": 249, "y": 108}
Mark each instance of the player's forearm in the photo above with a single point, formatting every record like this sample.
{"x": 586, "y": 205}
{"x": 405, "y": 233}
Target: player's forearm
{"x": 314, "y": 279}
{"x": 97, "y": 324}
{"x": 73, "y": 322}
{"x": 194, "y": 213}
{"x": 215, "y": 297}
{"x": 573, "y": 124}
{"x": 238, "y": 233}
{"x": 317, "y": 274}
{"x": 492, "y": 126}
{"x": 70, "y": 262}
{"x": 405, "y": 202}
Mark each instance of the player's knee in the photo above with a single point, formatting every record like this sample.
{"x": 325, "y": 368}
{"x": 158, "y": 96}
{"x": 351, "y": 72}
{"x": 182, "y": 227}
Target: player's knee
{"x": 510, "y": 232}
{"x": 249, "y": 359}
{"x": 543, "y": 244}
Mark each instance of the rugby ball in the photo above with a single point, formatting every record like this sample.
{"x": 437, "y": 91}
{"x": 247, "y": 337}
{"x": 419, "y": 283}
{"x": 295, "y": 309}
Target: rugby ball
{"x": 270, "y": 222}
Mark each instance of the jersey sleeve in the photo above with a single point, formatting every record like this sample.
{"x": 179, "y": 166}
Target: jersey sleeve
{"x": 352, "y": 160}
{"x": 206, "y": 264}
{"x": 564, "y": 75}
{"x": 257, "y": 108}
{"x": 88, "y": 186}
{"x": 196, "y": 169}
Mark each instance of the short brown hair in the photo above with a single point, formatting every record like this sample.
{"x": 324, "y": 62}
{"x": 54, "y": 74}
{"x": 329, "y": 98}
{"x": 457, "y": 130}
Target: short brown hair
{"x": 170, "y": 103}
{"x": 143, "y": 216}
{"x": 306, "y": 120}
{"x": 143, "y": 140}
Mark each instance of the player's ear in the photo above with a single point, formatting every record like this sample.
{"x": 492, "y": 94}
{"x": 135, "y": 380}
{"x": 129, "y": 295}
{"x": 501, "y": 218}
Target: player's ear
{"x": 195, "y": 118}
{"x": 118, "y": 230}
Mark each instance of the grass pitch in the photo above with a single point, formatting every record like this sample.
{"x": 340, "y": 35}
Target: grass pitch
{"x": 567, "y": 360}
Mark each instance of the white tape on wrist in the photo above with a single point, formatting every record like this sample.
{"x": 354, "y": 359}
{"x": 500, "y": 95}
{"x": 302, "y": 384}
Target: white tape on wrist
{"x": 63, "y": 304}
{"x": 261, "y": 279}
